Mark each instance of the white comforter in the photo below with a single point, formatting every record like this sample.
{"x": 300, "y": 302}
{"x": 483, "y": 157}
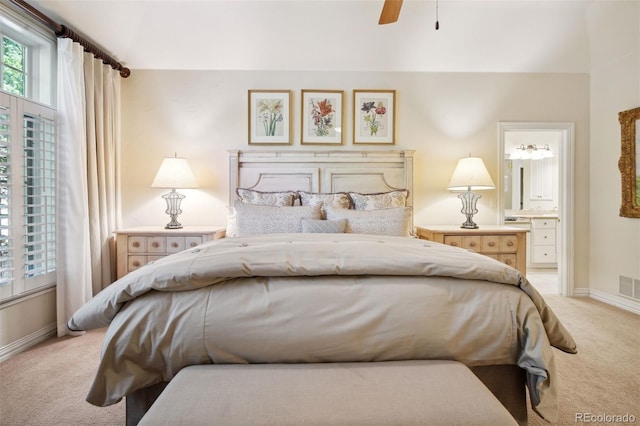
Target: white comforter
{"x": 321, "y": 298}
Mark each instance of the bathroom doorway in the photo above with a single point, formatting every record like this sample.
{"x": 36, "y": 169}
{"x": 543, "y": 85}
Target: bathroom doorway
{"x": 535, "y": 192}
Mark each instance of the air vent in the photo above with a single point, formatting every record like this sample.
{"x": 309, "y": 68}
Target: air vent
{"x": 626, "y": 286}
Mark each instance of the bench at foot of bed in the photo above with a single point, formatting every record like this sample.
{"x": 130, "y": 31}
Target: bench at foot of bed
{"x": 367, "y": 393}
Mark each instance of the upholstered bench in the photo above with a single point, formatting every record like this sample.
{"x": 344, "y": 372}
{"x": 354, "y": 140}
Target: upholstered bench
{"x": 368, "y": 393}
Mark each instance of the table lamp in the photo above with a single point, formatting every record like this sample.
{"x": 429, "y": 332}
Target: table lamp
{"x": 469, "y": 175}
{"x": 174, "y": 172}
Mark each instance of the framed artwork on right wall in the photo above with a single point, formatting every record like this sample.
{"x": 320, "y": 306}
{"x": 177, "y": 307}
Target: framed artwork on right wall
{"x": 629, "y": 162}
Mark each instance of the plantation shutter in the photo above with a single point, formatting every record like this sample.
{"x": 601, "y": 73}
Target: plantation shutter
{"x": 27, "y": 196}
{"x": 39, "y": 199}
{"x": 6, "y": 241}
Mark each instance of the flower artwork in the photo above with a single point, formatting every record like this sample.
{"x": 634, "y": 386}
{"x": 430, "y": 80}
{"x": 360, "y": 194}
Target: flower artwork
{"x": 374, "y": 116}
{"x": 322, "y": 117}
{"x": 269, "y": 117}
{"x": 322, "y": 113}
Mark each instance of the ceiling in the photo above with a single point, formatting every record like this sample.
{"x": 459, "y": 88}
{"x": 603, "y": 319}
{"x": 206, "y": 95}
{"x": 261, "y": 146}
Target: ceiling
{"x": 344, "y": 35}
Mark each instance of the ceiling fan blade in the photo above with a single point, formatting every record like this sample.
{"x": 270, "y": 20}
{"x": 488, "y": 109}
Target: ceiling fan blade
{"x": 390, "y": 11}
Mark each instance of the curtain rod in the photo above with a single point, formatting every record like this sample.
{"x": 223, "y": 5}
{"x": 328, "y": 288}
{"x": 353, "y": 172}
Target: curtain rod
{"x": 66, "y": 32}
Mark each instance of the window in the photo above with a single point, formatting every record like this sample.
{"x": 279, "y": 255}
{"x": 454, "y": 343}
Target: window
{"x": 13, "y": 66}
{"x": 27, "y": 157}
{"x": 28, "y": 62}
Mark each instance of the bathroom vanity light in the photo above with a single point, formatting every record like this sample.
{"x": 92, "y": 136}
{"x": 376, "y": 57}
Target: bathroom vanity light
{"x": 469, "y": 175}
{"x": 174, "y": 173}
{"x": 531, "y": 152}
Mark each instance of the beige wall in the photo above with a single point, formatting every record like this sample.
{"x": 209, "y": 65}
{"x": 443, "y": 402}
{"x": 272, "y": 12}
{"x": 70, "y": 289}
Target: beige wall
{"x": 443, "y": 116}
{"x": 615, "y": 86}
{"x": 27, "y": 321}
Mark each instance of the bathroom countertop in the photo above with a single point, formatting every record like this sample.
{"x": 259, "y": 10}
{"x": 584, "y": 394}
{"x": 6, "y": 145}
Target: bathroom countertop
{"x": 525, "y": 217}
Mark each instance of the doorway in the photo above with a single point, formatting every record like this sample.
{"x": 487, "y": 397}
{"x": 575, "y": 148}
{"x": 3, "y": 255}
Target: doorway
{"x": 537, "y": 193}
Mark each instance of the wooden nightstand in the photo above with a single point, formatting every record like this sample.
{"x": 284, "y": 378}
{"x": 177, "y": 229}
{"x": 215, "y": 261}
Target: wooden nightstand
{"x": 135, "y": 247}
{"x": 507, "y": 244}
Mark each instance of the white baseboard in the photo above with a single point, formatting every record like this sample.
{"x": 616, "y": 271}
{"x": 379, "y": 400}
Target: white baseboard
{"x": 24, "y": 343}
{"x": 608, "y": 298}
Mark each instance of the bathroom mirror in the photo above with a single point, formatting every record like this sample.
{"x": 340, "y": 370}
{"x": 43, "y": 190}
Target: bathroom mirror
{"x": 628, "y": 164}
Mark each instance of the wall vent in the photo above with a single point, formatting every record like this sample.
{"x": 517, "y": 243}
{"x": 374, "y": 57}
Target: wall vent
{"x": 626, "y": 286}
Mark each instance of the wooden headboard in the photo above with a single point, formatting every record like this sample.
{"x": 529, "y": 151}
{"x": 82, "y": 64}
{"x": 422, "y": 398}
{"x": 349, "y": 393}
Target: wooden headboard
{"x": 321, "y": 171}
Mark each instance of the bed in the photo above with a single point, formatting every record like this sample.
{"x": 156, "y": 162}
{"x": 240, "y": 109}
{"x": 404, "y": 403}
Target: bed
{"x": 364, "y": 291}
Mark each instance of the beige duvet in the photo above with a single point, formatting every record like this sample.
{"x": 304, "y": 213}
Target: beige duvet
{"x": 320, "y": 298}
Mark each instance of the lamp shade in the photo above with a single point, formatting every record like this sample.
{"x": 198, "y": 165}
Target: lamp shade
{"x": 470, "y": 173}
{"x": 174, "y": 172}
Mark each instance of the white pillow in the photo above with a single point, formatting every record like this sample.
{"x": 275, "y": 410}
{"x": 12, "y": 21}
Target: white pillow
{"x": 324, "y": 226}
{"x": 232, "y": 225}
{"x": 396, "y": 222}
{"x": 381, "y": 200}
{"x": 253, "y": 219}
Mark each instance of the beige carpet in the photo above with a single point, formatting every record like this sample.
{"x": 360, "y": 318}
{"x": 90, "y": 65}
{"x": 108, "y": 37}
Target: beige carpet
{"x": 47, "y": 384}
{"x": 603, "y": 377}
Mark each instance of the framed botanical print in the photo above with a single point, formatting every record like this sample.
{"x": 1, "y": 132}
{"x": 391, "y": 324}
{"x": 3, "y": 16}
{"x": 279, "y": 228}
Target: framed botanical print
{"x": 270, "y": 117}
{"x": 322, "y": 116}
{"x": 374, "y": 117}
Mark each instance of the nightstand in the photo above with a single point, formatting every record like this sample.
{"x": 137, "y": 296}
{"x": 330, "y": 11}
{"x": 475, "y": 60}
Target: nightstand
{"x": 507, "y": 244}
{"x": 135, "y": 247}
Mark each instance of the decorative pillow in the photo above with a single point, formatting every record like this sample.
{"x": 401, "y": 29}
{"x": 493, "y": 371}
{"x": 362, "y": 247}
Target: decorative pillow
{"x": 324, "y": 226}
{"x": 232, "y": 224}
{"x": 280, "y": 199}
{"x": 338, "y": 200}
{"x": 396, "y": 221}
{"x": 382, "y": 200}
{"x": 255, "y": 219}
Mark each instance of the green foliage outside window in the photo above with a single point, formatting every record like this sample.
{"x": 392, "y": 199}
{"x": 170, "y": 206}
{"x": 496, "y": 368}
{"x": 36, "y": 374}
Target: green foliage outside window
{"x": 13, "y": 66}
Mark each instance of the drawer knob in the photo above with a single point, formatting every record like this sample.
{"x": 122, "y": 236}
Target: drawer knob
{"x": 136, "y": 244}
{"x": 136, "y": 263}
{"x": 491, "y": 243}
{"x": 174, "y": 244}
{"x": 509, "y": 243}
{"x": 472, "y": 244}
{"x": 508, "y": 261}
{"x": 194, "y": 244}
{"x": 155, "y": 244}
{"x": 454, "y": 244}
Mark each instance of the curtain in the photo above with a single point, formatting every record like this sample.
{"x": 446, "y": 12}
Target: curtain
{"x": 88, "y": 121}
{"x": 102, "y": 88}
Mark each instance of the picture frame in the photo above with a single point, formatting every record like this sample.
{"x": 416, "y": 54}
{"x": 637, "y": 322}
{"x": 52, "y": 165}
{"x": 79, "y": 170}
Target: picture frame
{"x": 270, "y": 121}
{"x": 628, "y": 163}
{"x": 374, "y": 117}
{"x": 322, "y": 117}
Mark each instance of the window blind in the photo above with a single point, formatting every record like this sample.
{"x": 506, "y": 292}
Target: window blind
{"x": 6, "y": 251}
{"x": 27, "y": 197}
{"x": 39, "y": 196}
